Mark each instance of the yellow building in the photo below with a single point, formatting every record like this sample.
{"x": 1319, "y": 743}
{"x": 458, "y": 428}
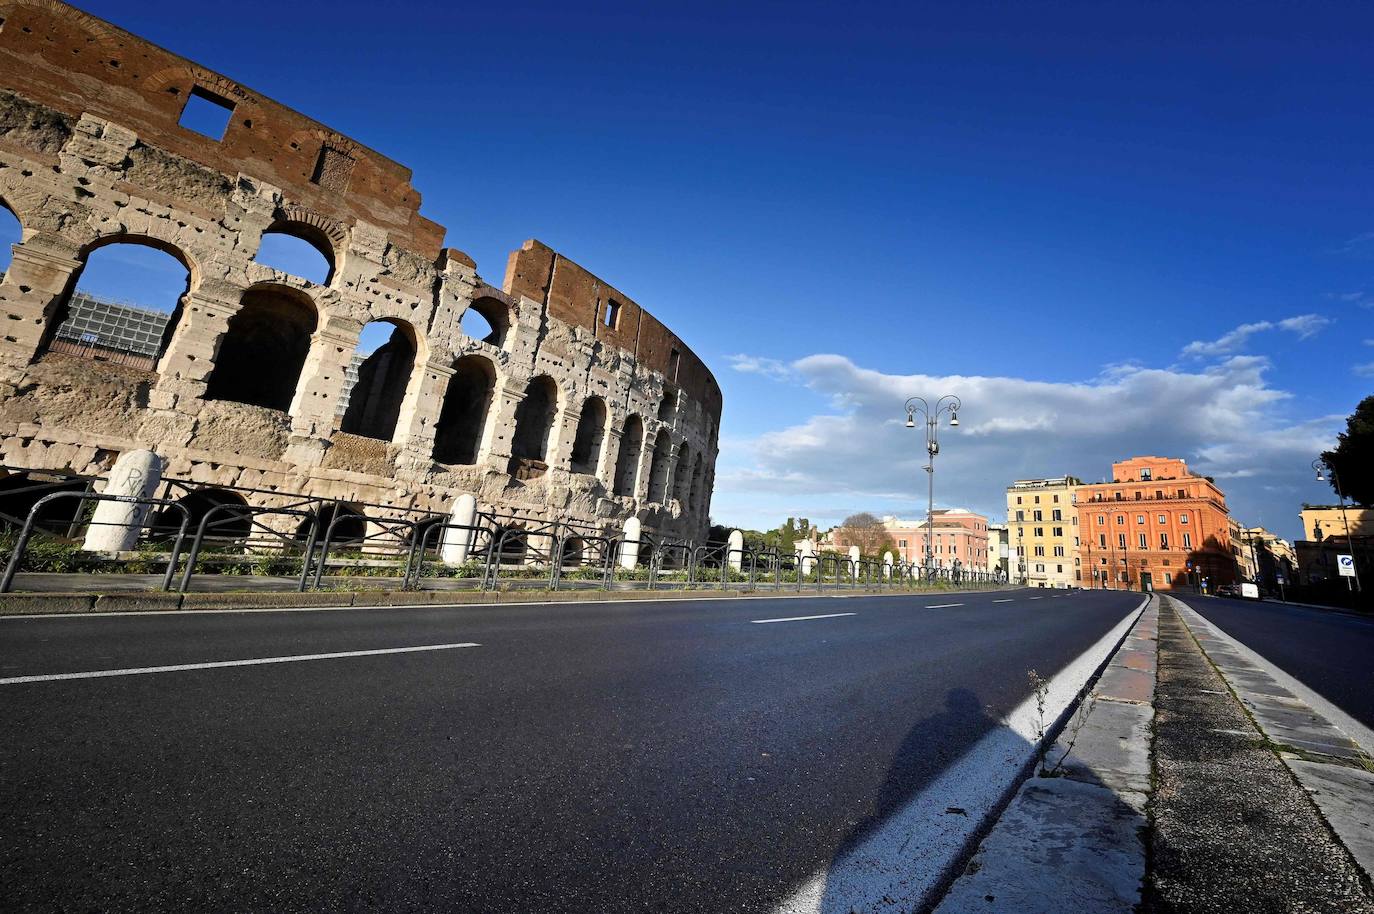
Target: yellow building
{"x": 1042, "y": 527}
{"x": 1322, "y": 521}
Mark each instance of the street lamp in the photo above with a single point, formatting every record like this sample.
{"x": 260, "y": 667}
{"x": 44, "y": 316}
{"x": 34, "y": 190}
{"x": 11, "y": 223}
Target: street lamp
{"x": 1319, "y": 464}
{"x": 948, "y": 403}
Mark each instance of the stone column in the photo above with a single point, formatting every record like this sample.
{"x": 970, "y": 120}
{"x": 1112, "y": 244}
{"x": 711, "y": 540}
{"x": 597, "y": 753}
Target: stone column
{"x": 734, "y": 550}
{"x": 416, "y": 425}
{"x": 629, "y": 548}
{"x": 185, "y": 368}
{"x": 646, "y": 464}
{"x": 500, "y": 428}
{"x": 115, "y": 525}
{"x": 34, "y": 285}
{"x": 887, "y": 564}
{"x": 457, "y": 543}
{"x": 610, "y": 449}
{"x": 562, "y": 433}
{"x": 322, "y": 378}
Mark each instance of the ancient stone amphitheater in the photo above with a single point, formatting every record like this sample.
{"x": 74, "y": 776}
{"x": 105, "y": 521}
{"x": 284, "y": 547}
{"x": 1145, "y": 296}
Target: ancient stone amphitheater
{"x": 577, "y": 404}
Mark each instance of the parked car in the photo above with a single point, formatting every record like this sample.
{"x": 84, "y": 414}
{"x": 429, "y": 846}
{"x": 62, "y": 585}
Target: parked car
{"x": 1228, "y": 590}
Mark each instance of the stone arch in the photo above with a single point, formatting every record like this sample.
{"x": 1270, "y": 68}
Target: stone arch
{"x": 95, "y": 318}
{"x": 20, "y": 491}
{"x": 375, "y": 397}
{"x": 301, "y": 243}
{"x": 234, "y": 522}
{"x": 533, "y": 422}
{"x": 627, "y": 461}
{"x": 259, "y": 361}
{"x": 463, "y": 417}
{"x": 658, "y": 467}
{"x": 494, "y": 324}
{"x": 667, "y": 406}
{"x": 591, "y": 431}
{"x": 350, "y": 530}
{"x": 682, "y": 475}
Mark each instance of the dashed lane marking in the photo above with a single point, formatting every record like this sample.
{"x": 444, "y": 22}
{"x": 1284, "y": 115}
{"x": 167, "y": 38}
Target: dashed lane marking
{"x": 800, "y": 618}
{"x": 943, "y": 605}
{"x": 217, "y": 664}
{"x": 1004, "y": 601}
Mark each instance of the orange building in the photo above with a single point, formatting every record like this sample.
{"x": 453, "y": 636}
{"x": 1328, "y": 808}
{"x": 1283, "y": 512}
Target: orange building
{"x": 1157, "y": 524}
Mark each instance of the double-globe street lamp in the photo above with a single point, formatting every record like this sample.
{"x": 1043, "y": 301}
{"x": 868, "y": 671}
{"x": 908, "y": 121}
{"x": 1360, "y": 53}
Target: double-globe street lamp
{"x": 1319, "y": 465}
{"x": 946, "y": 404}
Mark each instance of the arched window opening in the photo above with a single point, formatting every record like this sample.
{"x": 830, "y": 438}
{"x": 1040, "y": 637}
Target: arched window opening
{"x": 261, "y": 357}
{"x": 658, "y": 468}
{"x": 11, "y": 233}
{"x": 19, "y": 492}
{"x": 533, "y": 420}
{"x": 348, "y": 531}
{"x": 573, "y": 548}
{"x": 376, "y": 380}
{"x": 682, "y": 476}
{"x": 591, "y": 428}
{"x": 627, "y": 461}
{"x": 458, "y": 434}
{"x": 298, "y": 250}
{"x": 124, "y": 307}
{"x": 232, "y": 521}
{"x": 487, "y": 319}
{"x": 666, "y": 406}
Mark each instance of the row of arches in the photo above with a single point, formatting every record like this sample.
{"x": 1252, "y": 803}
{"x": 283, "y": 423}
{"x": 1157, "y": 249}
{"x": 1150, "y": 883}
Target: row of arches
{"x": 262, "y": 355}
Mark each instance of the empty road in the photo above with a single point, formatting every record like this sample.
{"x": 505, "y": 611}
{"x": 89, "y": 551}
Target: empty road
{"x": 662, "y": 756}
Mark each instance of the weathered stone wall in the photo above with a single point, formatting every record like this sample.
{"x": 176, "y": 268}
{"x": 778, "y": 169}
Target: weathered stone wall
{"x": 91, "y": 154}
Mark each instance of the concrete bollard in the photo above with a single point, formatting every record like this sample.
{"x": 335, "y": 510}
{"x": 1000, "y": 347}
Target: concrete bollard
{"x": 458, "y": 543}
{"x": 734, "y": 550}
{"x": 887, "y": 565}
{"x": 854, "y": 556}
{"x": 115, "y": 525}
{"x": 808, "y": 561}
{"x": 629, "y": 549}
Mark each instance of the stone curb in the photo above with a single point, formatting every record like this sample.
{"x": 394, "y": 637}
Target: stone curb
{"x": 24, "y": 604}
{"x": 1073, "y": 841}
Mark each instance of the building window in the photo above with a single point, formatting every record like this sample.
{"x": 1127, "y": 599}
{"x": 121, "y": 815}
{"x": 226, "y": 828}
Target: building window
{"x": 1143, "y": 543}
{"x": 1121, "y": 540}
{"x": 1187, "y": 541}
{"x": 1020, "y": 515}
{"x": 1021, "y": 551}
{"x": 1037, "y": 499}
{"x": 901, "y": 543}
{"x": 1144, "y": 473}
{"x": 1056, "y": 499}
{"x": 1039, "y": 531}
{"x": 1040, "y": 569}
{"x": 612, "y": 316}
{"x": 1056, "y": 514}
{"x": 1101, "y": 519}
{"x": 1183, "y": 518}
{"x": 1018, "y": 499}
{"x": 1121, "y": 520}
{"x": 1075, "y": 542}
{"x": 1059, "y": 551}
{"x": 1058, "y": 531}
{"x": 1182, "y": 493}
{"x": 1164, "y": 541}
{"x": 1102, "y": 540}
{"x": 1059, "y": 568}
{"x": 1039, "y": 550}
{"x": 1163, "y": 518}
{"x": 1038, "y": 515}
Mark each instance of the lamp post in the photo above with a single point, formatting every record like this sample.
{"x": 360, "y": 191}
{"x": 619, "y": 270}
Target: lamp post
{"x": 1319, "y": 464}
{"x": 952, "y": 405}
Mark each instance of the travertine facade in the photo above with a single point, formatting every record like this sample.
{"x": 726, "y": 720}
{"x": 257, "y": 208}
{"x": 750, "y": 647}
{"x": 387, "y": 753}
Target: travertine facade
{"x": 580, "y": 405}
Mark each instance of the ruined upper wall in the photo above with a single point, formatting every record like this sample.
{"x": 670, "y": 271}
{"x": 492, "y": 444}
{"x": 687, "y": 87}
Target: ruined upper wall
{"x": 75, "y": 63}
{"x": 577, "y": 297}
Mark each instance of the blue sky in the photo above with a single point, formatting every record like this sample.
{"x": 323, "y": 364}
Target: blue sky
{"x": 1037, "y": 206}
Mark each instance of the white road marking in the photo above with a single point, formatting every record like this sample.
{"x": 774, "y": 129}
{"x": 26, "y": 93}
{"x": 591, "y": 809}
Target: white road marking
{"x": 942, "y": 605}
{"x": 800, "y": 618}
{"x": 902, "y": 862}
{"x": 1004, "y": 601}
{"x": 216, "y": 664}
{"x": 1035, "y": 598}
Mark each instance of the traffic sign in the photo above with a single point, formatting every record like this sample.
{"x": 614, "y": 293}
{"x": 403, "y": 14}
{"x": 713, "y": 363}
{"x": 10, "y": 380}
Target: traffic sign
{"x": 1346, "y": 563}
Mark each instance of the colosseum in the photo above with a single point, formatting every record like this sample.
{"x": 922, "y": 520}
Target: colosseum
{"x": 575, "y": 404}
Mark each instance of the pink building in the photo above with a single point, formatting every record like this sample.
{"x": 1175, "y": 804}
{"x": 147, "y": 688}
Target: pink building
{"x": 959, "y": 534}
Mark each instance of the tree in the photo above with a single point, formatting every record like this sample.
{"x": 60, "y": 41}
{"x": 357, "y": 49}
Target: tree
{"x": 865, "y": 531}
{"x": 1353, "y": 458}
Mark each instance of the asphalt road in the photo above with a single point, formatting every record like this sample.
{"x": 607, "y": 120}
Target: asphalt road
{"x": 1329, "y": 652}
{"x": 671, "y": 756}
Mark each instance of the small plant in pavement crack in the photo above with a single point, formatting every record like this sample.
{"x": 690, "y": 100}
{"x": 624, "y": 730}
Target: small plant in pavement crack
{"x": 1041, "y": 689}
{"x": 1087, "y": 700}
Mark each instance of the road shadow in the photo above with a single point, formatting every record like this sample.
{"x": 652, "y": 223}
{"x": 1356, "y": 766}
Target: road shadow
{"x": 873, "y": 855}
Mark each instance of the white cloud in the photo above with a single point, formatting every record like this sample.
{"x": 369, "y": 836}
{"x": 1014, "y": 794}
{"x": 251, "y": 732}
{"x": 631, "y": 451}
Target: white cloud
{"x": 752, "y": 364}
{"x": 1365, "y": 371}
{"x": 1222, "y": 419}
{"x": 1304, "y": 325}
